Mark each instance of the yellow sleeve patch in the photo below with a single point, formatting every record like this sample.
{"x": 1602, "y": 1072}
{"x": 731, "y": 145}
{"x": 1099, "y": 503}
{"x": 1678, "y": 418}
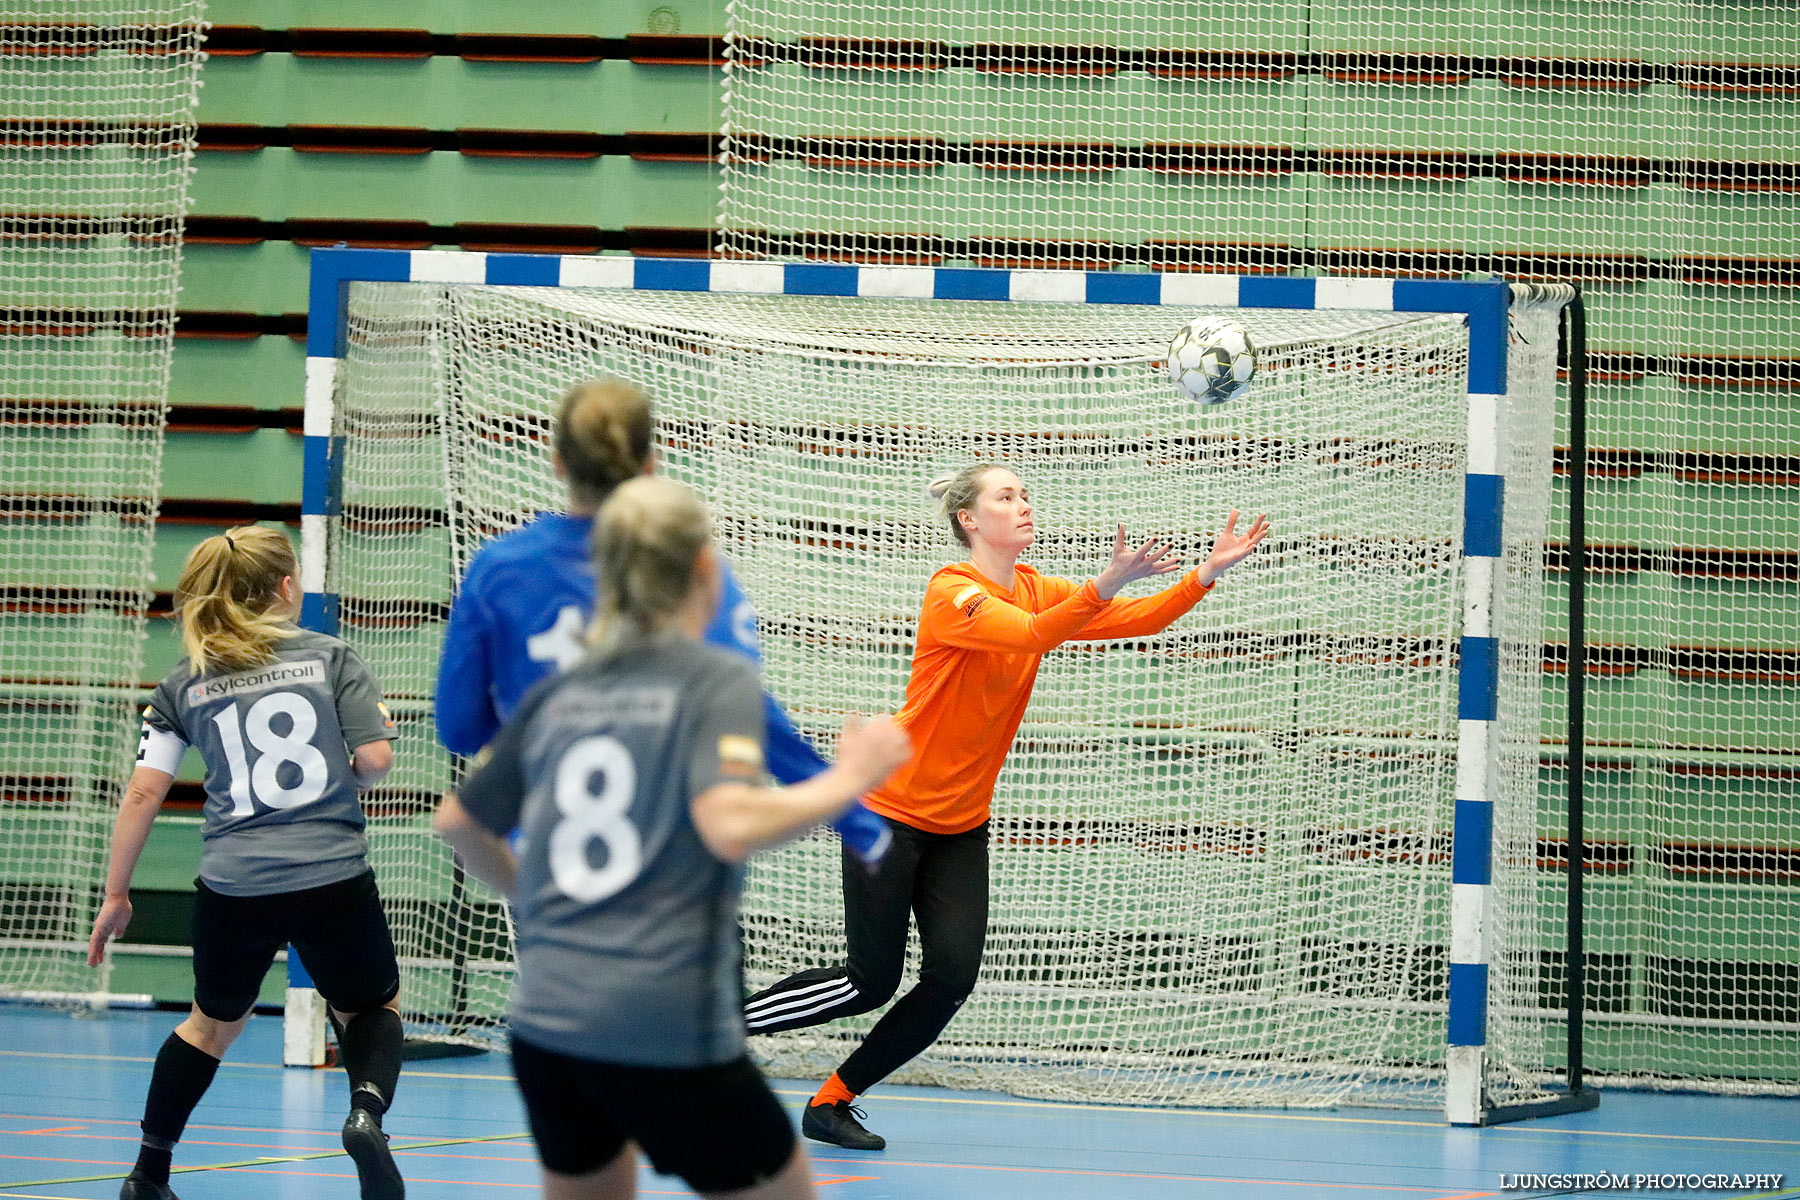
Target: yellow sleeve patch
{"x": 967, "y": 594}
{"x": 742, "y": 751}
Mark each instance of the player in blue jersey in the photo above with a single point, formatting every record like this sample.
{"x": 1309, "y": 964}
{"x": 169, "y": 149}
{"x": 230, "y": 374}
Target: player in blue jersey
{"x": 526, "y": 597}
{"x": 634, "y": 777}
{"x": 291, "y": 727}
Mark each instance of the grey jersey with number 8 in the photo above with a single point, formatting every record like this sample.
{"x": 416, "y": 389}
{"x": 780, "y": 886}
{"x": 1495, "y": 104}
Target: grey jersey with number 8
{"x": 628, "y": 945}
{"x": 282, "y": 812}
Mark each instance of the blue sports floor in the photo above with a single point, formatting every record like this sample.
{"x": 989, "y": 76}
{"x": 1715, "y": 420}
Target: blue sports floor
{"x": 71, "y": 1090}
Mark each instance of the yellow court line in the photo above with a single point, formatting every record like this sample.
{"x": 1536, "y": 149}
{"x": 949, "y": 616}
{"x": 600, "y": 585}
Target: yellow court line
{"x": 1667, "y": 1137}
{"x": 266, "y": 1160}
{"x": 1022, "y": 1169}
{"x": 128, "y": 1058}
{"x": 1078, "y": 1106}
{"x": 274, "y": 1129}
{"x": 1069, "y": 1105}
{"x": 242, "y": 1066}
{"x": 1229, "y": 1114}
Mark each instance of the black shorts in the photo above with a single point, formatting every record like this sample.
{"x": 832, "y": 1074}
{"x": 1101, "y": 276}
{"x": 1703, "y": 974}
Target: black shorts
{"x": 718, "y": 1128}
{"x": 338, "y": 930}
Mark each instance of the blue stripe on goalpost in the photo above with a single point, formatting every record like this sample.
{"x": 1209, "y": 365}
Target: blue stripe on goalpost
{"x": 523, "y": 270}
{"x": 1478, "y": 678}
{"x": 1471, "y": 858}
{"x": 1466, "y": 1026}
{"x": 1484, "y": 509}
{"x": 1484, "y": 309}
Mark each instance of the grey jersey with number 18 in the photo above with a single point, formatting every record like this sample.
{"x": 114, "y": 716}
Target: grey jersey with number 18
{"x": 628, "y": 946}
{"x": 282, "y": 812}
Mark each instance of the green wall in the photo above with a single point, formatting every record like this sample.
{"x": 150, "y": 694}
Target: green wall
{"x": 235, "y": 451}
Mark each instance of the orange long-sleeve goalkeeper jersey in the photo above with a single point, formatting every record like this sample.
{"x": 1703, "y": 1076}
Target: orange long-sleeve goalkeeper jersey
{"x": 977, "y": 656}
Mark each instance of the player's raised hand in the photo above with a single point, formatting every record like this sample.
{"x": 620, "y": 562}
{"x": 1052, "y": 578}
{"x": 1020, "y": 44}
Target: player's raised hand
{"x": 1231, "y": 547}
{"x": 1151, "y": 558}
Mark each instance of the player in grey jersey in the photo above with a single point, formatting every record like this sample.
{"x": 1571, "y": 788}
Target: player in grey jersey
{"x": 291, "y": 727}
{"x": 635, "y": 779}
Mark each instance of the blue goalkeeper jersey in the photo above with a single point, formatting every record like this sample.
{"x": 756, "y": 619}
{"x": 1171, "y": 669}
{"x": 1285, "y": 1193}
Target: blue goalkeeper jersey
{"x": 522, "y": 614}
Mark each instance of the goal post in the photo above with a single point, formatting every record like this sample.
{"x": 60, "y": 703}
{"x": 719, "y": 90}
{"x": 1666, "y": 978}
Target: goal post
{"x": 1283, "y": 853}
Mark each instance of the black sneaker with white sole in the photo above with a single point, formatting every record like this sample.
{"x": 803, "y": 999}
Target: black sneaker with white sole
{"x": 838, "y": 1124}
{"x": 367, "y": 1146}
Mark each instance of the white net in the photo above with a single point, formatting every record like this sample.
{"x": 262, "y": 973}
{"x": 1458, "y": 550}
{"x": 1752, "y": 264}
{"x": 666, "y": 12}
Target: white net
{"x": 1219, "y": 869}
{"x": 97, "y": 136}
{"x": 1649, "y": 150}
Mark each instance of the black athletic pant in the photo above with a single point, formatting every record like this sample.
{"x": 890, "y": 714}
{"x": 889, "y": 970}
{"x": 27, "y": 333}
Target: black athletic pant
{"x": 942, "y": 879}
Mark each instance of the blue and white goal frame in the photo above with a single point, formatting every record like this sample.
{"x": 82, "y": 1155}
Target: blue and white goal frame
{"x": 1483, "y": 306}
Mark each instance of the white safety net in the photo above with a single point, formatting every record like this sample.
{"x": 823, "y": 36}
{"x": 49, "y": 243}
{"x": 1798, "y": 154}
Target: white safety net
{"x": 98, "y": 102}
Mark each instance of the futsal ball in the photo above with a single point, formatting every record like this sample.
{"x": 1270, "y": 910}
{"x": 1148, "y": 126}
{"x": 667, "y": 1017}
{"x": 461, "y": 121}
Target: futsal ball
{"x": 1212, "y": 359}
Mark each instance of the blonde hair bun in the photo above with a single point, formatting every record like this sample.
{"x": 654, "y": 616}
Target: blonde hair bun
{"x": 956, "y": 492}
{"x": 602, "y": 432}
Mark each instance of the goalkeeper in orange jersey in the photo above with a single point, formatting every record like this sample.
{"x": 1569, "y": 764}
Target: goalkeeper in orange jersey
{"x": 983, "y": 628}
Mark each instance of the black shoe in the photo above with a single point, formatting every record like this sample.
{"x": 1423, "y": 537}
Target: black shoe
{"x": 838, "y": 1124}
{"x": 143, "y": 1189}
{"x": 368, "y": 1148}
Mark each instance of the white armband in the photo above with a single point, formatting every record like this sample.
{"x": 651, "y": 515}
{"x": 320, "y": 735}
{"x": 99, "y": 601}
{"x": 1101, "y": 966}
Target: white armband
{"x": 160, "y": 750}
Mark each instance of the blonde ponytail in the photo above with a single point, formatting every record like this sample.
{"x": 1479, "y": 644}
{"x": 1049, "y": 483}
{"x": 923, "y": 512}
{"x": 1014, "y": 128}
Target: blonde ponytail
{"x": 647, "y": 538}
{"x": 227, "y": 599}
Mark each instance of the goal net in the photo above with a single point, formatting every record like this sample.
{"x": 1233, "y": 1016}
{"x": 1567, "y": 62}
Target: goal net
{"x": 93, "y": 187}
{"x": 1220, "y": 855}
{"x": 1649, "y": 151}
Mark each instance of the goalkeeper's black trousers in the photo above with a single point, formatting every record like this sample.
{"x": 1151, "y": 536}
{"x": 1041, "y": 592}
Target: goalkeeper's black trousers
{"x": 940, "y": 878}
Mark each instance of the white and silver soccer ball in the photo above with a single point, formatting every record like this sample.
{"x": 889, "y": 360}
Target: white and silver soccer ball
{"x": 1212, "y": 359}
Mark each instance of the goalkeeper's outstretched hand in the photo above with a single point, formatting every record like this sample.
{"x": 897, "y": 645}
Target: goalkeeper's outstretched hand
{"x": 1231, "y": 547}
{"x": 865, "y": 834}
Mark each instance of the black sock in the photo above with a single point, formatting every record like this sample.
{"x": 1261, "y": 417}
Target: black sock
{"x": 153, "y": 1160}
{"x": 369, "y": 1046}
{"x": 181, "y": 1076}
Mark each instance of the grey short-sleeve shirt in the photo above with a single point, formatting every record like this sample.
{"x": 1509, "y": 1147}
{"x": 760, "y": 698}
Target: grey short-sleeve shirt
{"x": 282, "y": 812}
{"x": 628, "y": 944}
